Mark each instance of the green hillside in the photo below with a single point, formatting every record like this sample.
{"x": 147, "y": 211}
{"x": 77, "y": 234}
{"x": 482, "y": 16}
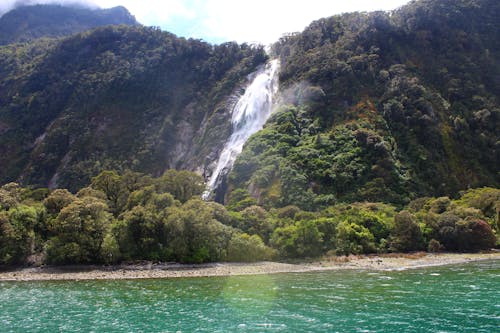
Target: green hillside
{"x": 381, "y": 107}
{"x": 114, "y": 98}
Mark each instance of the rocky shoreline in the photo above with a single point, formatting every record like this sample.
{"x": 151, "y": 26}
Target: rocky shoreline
{"x": 173, "y": 270}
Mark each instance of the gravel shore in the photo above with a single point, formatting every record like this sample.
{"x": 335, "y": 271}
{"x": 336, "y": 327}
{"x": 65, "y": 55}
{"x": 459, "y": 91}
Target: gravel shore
{"x": 172, "y": 270}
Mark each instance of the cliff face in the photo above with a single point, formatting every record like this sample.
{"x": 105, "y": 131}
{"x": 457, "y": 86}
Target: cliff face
{"x": 382, "y": 107}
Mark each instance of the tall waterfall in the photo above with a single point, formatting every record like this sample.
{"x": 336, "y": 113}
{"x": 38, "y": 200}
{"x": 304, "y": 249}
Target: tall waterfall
{"x": 247, "y": 117}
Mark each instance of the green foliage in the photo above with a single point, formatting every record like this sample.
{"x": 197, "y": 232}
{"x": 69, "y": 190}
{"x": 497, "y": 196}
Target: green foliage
{"x": 466, "y": 224}
{"x": 194, "y": 235}
{"x": 243, "y": 247}
{"x": 240, "y": 199}
{"x": 302, "y": 239}
{"x": 487, "y": 200}
{"x": 62, "y": 228}
{"x": 367, "y": 115}
{"x": 143, "y": 236}
{"x": 183, "y": 184}
{"x": 116, "y": 97}
{"x": 351, "y": 162}
{"x": 10, "y": 195}
{"x": 17, "y": 235}
{"x": 79, "y": 232}
{"x": 255, "y": 220}
{"x": 57, "y": 200}
{"x": 376, "y": 220}
{"x": 407, "y": 235}
{"x": 110, "y": 251}
{"x": 354, "y": 238}
{"x": 110, "y": 183}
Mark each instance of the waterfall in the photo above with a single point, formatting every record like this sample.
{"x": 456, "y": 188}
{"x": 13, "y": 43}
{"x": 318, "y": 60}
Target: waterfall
{"x": 248, "y": 116}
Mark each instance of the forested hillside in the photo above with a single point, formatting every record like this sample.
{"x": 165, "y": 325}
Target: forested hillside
{"x": 27, "y": 23}
{"x": 114, "y": 98}
{"x": 381, "y": 107}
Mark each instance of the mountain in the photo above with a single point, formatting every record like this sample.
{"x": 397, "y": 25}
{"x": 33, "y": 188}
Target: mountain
{"x": 27, "y": 23}
{"x": 116, "y": 97}
{"x": 382, "y": 106}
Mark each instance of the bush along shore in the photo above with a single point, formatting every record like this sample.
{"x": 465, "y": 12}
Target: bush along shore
{"x": 130, "y": 217}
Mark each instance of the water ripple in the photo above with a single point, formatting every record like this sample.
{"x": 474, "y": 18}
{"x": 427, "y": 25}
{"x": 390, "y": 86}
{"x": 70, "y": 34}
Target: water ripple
{"x": 449, "y": 299}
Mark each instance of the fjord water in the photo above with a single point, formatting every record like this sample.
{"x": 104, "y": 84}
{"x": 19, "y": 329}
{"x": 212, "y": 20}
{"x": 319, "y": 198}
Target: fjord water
{"x": 461, "y": 298}
{"x": 248, "y": 116}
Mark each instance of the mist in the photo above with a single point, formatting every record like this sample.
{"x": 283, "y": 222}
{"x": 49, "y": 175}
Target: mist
{"x": 8, "y": 5}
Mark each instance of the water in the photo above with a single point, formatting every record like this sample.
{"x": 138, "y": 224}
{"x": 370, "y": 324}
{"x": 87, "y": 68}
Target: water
{"x": 248, "y": 116}
{"x": 463, "y": 298}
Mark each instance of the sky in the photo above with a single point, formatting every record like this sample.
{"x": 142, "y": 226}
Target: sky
{"x": 217, "y": 21}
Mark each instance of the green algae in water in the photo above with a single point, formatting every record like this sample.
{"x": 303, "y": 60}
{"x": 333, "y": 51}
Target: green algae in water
{"x": 460, "y": 298}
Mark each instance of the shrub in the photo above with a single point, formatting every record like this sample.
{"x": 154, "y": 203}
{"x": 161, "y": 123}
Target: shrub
{"x": 243, "y": 247}
{"x": 406, "y": 235}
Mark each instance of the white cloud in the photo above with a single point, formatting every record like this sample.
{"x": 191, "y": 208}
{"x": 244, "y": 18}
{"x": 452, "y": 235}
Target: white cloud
{"x": 153, "y": 12}
{"x": 266, "y": 20}
{"x": 6, "y": 5}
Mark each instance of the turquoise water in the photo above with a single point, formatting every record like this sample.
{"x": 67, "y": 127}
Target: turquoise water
{"x": 463, "y": 298}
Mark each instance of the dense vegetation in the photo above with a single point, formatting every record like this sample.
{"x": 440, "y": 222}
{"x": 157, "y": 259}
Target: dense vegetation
{"x": 130, "y": 216}
{"x": 27, "y": 23}
{"x": 115, "y": 97}
{"x": 375, "y": 106}
{"x": 382, "y": 107}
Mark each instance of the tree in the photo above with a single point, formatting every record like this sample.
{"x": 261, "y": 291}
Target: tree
{"x": 57, "y": 200}
{"x": 474, "y": 235}
{"x": 10, "y": 195}
{"x": 243, "y": 247}
{"x": 183, "y": 184}
{"x": 240, "y": 199}
{"x": 17, "y": 234}
{"x": 303, "y": 239}
{"x": 78, "y": 232}
{"x": 111, "y": 184}
{"x": 464, "y": 234}
{"x": 354, "y": 238}
{"x": 144, "y": 235}
{"x": 255, "y": 221}
{"x": 194, "y": 234}
{"x": 406, "y": 235}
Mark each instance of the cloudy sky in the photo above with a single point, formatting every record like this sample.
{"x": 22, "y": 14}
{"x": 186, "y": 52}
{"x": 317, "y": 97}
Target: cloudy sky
{"x": 217, "y": 21}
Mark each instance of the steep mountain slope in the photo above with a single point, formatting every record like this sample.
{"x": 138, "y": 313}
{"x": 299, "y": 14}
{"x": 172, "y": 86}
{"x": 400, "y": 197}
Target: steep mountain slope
{"x": 113, "y": 98}
{"x": 374, "y": 106}
{"x": 381, "y": 107}
{"x": 27, "y": 23}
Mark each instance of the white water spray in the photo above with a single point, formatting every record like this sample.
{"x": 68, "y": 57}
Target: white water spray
{"x": 247, "y": 117}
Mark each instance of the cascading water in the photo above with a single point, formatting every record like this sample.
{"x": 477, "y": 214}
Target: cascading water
{"x": 247, "y": 117}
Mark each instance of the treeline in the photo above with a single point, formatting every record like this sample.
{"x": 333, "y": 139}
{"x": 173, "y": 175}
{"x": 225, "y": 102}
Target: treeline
{"x": 130, "y": 216}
